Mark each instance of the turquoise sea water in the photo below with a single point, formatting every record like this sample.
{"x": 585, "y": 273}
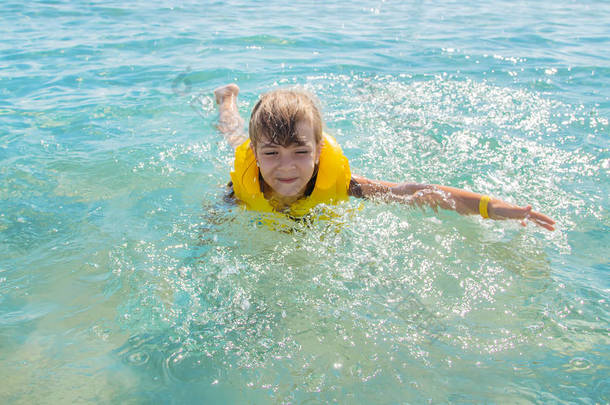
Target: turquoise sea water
{"x": 125, "y": 278}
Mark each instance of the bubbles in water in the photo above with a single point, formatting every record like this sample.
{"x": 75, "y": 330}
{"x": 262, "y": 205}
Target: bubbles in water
{"x": 381, "y": 291}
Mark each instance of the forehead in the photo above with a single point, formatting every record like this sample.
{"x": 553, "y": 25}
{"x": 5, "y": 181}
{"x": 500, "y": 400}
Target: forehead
{"x": 304, "y": 135}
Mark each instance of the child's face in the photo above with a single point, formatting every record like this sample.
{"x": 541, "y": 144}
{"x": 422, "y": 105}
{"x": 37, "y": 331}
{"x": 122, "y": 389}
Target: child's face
{"x": 288, "y": 169}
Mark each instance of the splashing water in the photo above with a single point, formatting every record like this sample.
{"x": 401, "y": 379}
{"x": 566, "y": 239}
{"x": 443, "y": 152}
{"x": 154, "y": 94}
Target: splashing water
{"x": 124, "y": 277}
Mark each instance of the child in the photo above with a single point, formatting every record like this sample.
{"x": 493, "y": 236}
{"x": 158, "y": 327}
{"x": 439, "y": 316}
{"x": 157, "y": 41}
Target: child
{"x": 289, "y": 165}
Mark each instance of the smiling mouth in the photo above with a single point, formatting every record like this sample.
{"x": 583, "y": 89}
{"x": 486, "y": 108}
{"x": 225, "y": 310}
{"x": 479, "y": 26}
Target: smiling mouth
{"x": 287, "y": 181}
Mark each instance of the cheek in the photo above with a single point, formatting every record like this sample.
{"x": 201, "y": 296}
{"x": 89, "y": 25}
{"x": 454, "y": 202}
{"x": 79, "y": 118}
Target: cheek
{"x": 305, "y": 161}
{"x": 267, "y": 168}
{"x": 308, "y": 167}
{"x": 264, "y": 167}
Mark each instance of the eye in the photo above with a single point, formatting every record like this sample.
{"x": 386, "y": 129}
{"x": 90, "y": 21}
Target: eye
{"x": 269, "y": 153}
{"x": 302, "y": 152}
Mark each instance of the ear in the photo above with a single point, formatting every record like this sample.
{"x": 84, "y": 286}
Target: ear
{"x": 254, "y": 152}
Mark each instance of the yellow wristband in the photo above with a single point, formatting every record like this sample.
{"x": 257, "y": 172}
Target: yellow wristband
{"x": 483, "y": 206}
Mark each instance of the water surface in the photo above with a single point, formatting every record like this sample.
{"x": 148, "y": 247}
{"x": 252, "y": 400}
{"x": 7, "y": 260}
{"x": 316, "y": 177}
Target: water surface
{"x": 124, "y": 277}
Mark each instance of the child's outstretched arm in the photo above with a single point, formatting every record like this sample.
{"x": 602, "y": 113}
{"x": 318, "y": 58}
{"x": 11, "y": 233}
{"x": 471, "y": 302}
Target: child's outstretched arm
{"x": 450, "y": 198}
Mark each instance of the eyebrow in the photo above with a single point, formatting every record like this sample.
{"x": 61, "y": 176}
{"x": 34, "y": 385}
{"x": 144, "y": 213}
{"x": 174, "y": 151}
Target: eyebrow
{"x": 276, "y": 145}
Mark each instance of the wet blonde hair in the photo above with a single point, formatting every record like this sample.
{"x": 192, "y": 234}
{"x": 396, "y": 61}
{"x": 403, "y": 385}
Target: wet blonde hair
{"x": 277, "y": 113}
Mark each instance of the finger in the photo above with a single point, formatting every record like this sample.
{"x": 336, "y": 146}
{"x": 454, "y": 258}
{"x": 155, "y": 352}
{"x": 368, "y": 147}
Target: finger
{"x": 420, "y": 204}
{"x": 544, "y": 218}
{"x": 430, "y": 202}
{"x": 543, "y": 224}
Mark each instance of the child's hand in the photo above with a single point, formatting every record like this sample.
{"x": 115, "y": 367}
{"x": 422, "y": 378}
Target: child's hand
{"x": 502, "y": 210}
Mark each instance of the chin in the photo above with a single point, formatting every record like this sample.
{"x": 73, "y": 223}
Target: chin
{"x": 290, "y": 193}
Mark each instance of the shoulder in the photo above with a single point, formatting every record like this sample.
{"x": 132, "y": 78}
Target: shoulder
{"x": 355, "y": 189}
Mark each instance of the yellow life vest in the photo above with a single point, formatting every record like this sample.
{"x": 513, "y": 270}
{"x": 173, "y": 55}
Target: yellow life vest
{"x": 331, "y": 185}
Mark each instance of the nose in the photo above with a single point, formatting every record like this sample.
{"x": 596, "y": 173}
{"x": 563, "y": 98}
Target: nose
{"x": 286, "y": 161}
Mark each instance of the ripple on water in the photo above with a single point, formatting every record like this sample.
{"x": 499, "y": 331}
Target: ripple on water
{"x": 136, "y": 350}
{"x": 579, "y": 363}
{"x": 138, "y": 358}
{"x": 192, "y": 366}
